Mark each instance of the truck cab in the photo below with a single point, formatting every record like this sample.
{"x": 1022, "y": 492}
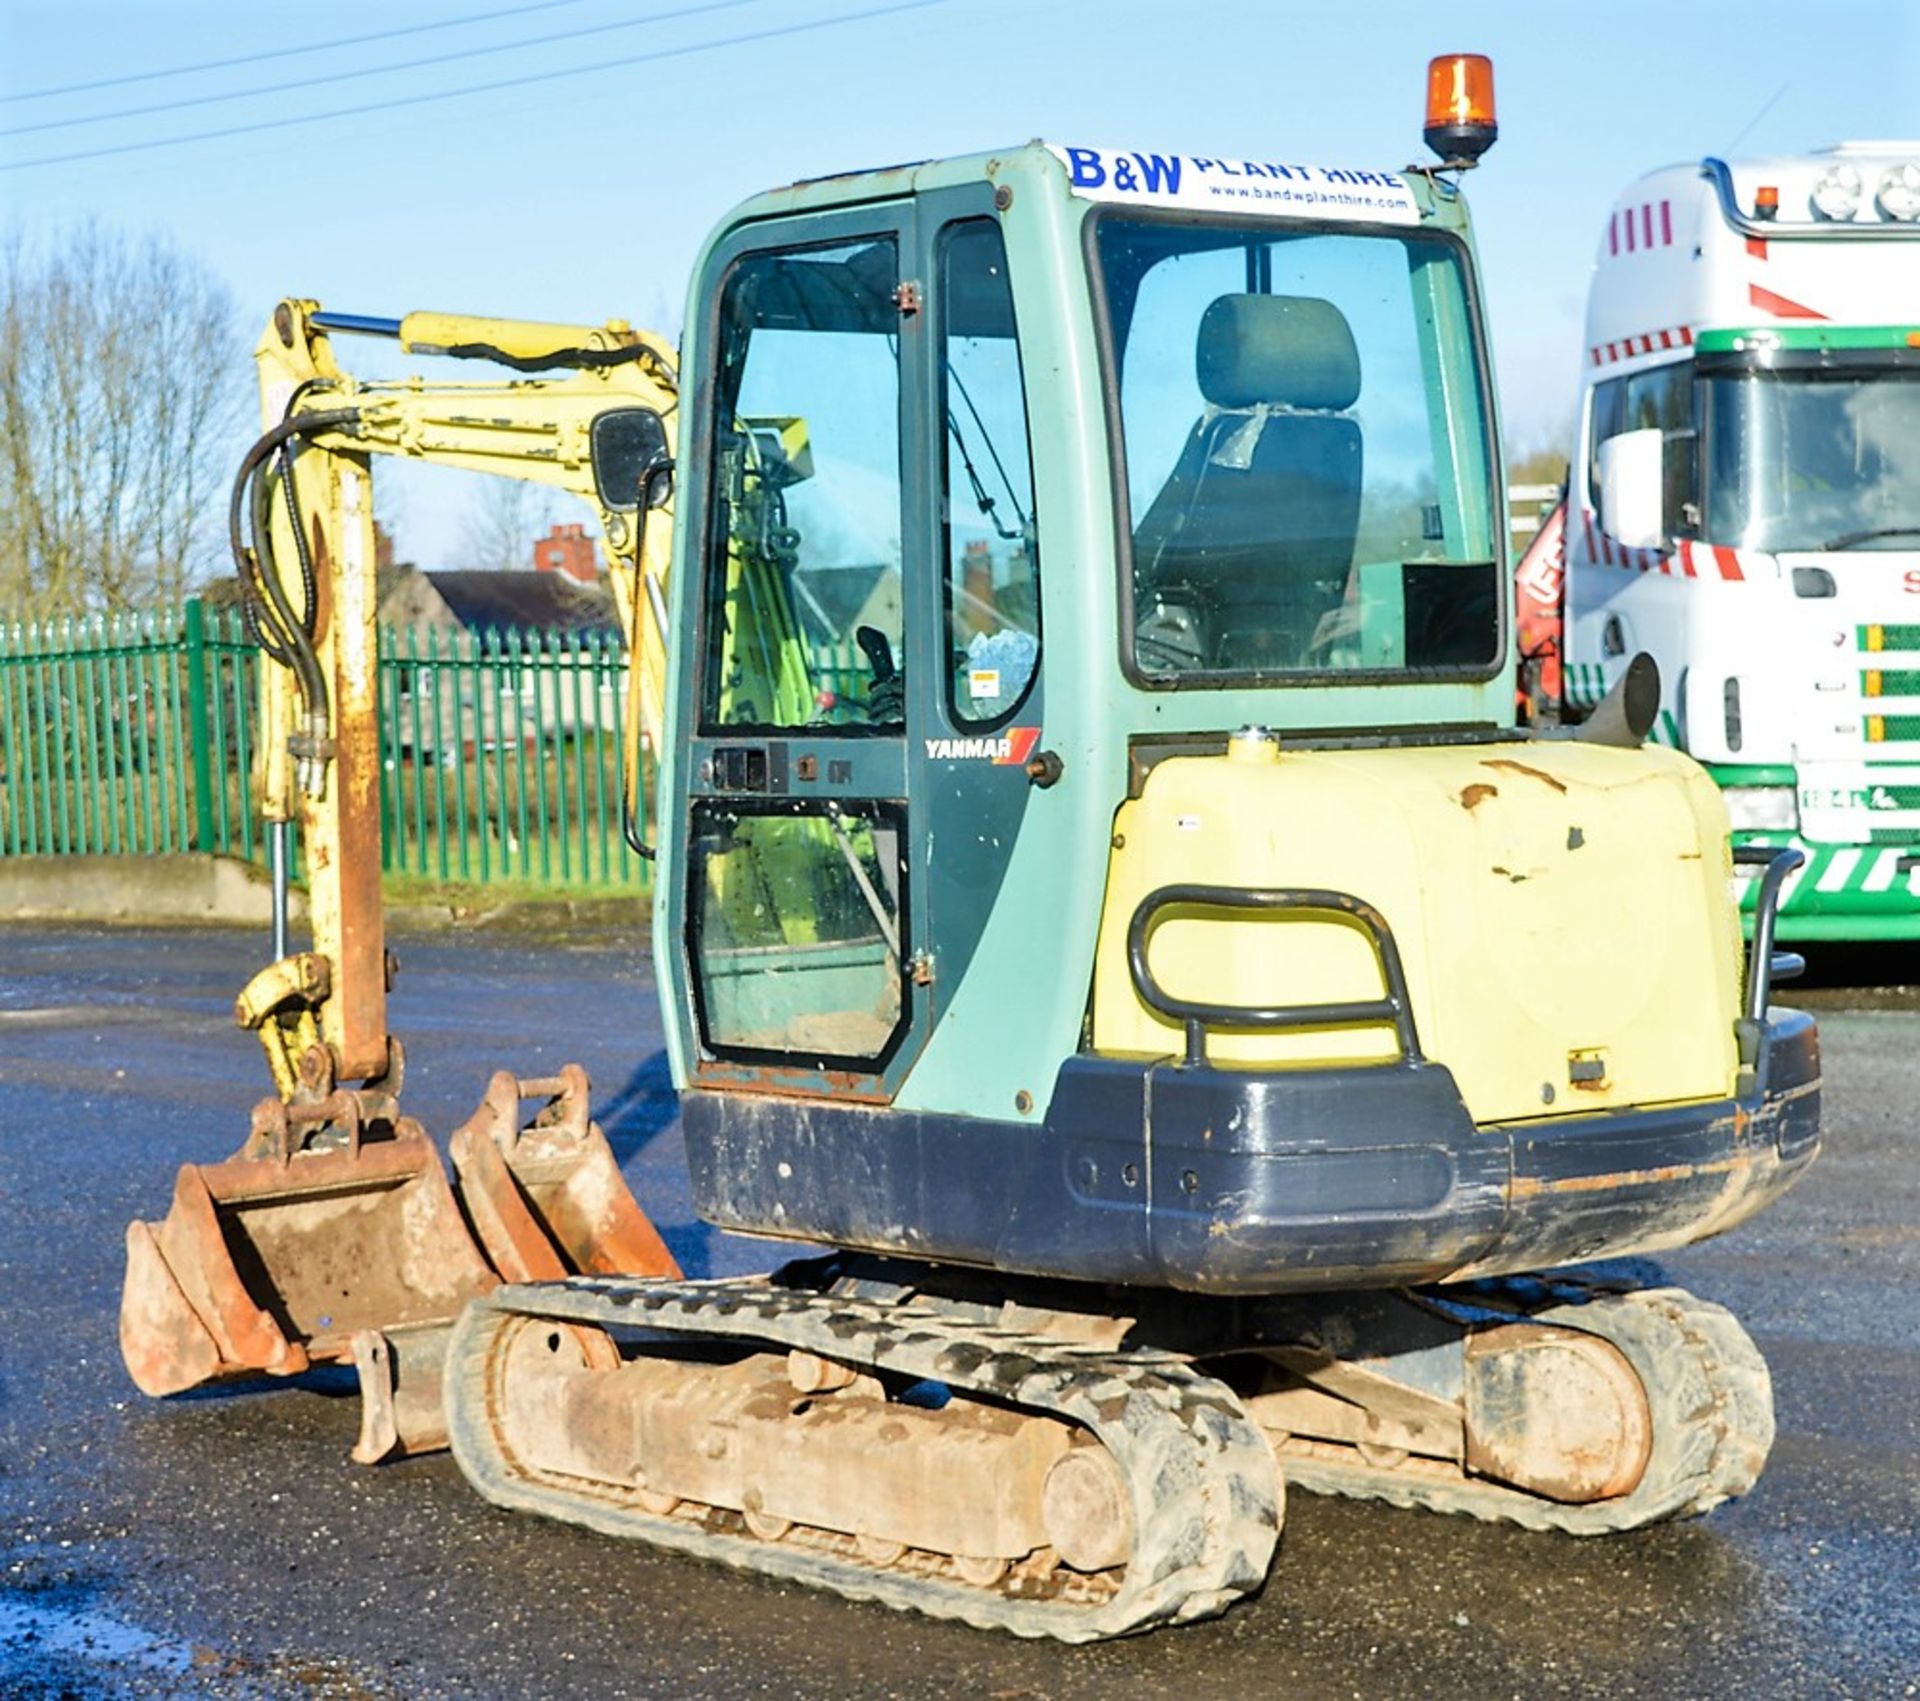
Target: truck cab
{"x": 1745, "y": 505}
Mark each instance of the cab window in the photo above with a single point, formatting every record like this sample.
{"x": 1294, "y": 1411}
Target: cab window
{"x": 803, "y": 580}
{"x": 1662, "y": 397}
{"x": 992, "y": 545}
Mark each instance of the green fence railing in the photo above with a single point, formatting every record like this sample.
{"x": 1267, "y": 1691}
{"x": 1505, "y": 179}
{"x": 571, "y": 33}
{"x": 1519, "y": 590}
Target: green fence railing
{"x": 500, "y": 751}
{"x": 501, "y": 757}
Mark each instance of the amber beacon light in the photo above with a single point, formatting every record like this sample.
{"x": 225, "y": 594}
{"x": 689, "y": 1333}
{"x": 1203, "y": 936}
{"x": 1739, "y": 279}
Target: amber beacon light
{"x": 1460, "y": 122}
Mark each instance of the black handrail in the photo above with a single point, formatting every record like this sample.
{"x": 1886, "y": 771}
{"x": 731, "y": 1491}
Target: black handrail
{"x": 1764, "y": 964}
{"x": 1196, "y": 1015}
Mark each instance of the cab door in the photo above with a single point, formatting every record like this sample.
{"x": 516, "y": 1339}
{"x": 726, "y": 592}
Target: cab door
{"x": 864, "y": 655}
{"x": 798, "y": 910}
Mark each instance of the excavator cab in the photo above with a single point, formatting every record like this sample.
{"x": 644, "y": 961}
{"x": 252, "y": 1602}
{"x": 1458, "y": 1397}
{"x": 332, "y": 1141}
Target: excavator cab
{"x": 1100, "y": 845}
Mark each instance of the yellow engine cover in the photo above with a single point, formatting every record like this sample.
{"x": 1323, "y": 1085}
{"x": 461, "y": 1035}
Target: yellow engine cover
{"x": 1562, "y": 909}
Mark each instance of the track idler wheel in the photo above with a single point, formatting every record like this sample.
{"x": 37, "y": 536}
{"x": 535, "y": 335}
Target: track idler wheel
{"x": 1555, "y": 1412}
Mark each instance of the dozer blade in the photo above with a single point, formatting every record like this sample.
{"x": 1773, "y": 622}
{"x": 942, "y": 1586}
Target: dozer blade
{"x": 274, "y": 1259}
{"x": 548, "y": 1200}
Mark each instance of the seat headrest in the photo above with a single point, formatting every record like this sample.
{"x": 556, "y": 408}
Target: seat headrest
{"x": 1278, "y": 350}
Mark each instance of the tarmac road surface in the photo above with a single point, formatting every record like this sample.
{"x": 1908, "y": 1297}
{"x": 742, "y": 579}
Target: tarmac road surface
{"x": 224, "y": 1545}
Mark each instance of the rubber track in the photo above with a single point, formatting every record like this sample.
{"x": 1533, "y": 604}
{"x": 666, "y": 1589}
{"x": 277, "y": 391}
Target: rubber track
{"x": 1711, "y": 1402}
{"x": 1206, "y": 1494}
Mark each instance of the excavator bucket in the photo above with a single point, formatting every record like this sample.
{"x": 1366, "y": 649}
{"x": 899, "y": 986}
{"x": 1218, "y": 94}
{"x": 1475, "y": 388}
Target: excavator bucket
{"x": 546, "y": 1201}
{"x": 275, "y": 1259}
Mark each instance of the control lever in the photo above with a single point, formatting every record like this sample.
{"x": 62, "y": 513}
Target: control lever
{"x": 887, "y": 695}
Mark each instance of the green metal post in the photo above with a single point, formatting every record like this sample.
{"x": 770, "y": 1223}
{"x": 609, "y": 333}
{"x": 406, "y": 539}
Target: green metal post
{"x": 606, "y": 798}
{"x": 86, "y": 720}
{"x": 439, "y": 741}
{"x": 119, "y": 678}
{"x": 199, "y": 723}
{"x": 477, "y": 675}
{"x": 519, "y": 677}
{"x": 393, "y": 838}
{"x": 419, "y": 779}
{"x": 57, "y": 768}
{"x": 576, "y": 661}
{"x": 243, "y": 687}
{"x": 497, "y": 671}
{"x": 9, "y": 747}
{"x": 536, "y": 673}
{"x": 217, "y": 699}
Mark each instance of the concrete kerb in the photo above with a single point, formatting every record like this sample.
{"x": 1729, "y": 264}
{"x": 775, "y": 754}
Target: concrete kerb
{"x": 189, "y": 889}
{"x": 181, "y": 887}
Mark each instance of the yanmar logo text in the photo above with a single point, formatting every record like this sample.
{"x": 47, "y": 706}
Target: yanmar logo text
{"x": 1010, "y": 749}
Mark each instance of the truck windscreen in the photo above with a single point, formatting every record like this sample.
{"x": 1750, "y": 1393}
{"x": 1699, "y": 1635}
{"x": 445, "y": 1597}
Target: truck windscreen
{"x": 1308, "y": 474}
{"x": 1822, "y": 459}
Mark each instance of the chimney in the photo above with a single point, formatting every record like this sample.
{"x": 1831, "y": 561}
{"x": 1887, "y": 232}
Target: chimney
{"x": 978, "y": 612}
{"x": 567, "y": 549}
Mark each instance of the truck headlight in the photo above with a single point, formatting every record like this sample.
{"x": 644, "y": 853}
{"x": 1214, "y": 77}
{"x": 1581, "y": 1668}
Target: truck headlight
{"x": 1899, "y": 195}
{"x": 1757, "y": 808}
{"x": 1837, "y": 195}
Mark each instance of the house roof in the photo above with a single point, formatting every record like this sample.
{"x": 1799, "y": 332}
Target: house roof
{"x": 549, "y": 602}
{"x": 831, "y": 599}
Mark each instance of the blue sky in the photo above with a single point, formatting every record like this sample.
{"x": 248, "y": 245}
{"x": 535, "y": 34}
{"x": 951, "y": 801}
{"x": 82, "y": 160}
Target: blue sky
{"x": 588, "y": 195}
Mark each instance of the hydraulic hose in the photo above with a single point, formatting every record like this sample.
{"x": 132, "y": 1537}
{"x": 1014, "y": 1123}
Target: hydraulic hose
{"x": 578, "y": 359}
{"x": 284, "y": 635}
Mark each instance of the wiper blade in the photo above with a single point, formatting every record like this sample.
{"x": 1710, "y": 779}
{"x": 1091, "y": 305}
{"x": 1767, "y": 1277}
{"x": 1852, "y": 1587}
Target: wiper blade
{"x": 1846, "y": 540}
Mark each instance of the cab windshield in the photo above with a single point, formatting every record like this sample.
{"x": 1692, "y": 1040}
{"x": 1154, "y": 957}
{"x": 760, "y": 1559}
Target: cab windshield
{"x": 1819, "y": 459}
{"x": 1307, "y": 450}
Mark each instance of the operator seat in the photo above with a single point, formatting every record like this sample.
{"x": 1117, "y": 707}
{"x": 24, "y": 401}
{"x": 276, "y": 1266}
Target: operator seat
{"x": 1254, "y": 530}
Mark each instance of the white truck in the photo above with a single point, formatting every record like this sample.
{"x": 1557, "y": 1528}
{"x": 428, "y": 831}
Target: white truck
{"x": 1744, "y": 505}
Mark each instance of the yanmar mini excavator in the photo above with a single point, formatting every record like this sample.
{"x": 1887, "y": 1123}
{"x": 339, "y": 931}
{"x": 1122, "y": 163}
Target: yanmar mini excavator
{"x": 1182, "y": 1005}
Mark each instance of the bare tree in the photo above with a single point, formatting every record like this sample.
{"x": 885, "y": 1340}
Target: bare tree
{"x": 124, "y": 388}
{"x": 503, "y": 519}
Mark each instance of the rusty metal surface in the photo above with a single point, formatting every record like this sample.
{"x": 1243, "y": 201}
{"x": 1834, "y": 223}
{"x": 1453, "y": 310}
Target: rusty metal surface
{"x": 964, "y": 1480}
{"x": 1204, "y": 1495}
{"x": 1556, "y": 1413}
{"x": 277, "y": 1257}
{"x": 845, "y": 1086}
{"x": 342, "y": 825}
{"x": 400, "y": 1406}
{"x": 546, "y": 1197}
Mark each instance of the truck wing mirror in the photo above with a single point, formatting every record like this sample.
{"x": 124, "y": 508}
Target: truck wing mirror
{"x": 629, "y": 444}
{"x": 1632, "y": 489}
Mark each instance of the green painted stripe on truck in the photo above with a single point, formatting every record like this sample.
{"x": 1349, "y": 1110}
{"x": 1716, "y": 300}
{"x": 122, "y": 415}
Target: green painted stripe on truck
{"x": 1890, "y": 681}
{"x": 1872, "y": 901}
{"x": 1752, "y": 773}
{"x": 1808, "y": 336}
{"x": 1884, "y": 637}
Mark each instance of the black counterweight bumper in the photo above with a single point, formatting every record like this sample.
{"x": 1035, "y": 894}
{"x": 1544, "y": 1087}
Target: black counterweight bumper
{"x": 1220, "y": 1180}
{"x": 1377, "y": 1176}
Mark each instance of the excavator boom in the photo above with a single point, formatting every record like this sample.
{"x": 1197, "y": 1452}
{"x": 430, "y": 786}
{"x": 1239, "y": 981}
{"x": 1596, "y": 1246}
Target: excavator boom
{"x": 334, "y": 1232}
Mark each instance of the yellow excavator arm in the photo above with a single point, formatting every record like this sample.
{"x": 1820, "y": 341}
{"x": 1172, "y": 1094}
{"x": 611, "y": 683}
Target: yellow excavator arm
{"x": 546, "y": 428}
{"x": 333, "y": 1234}
{"x": 594, "y": 414}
